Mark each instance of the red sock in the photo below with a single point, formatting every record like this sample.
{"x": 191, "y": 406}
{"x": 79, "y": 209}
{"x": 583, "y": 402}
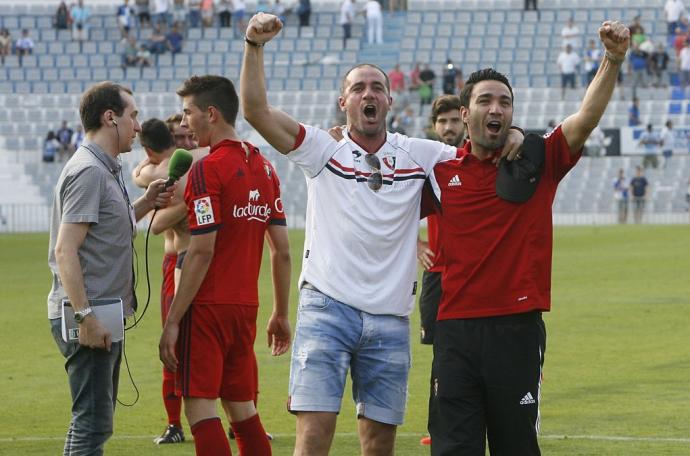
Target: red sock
{"x": 210, "y": 438}
{"x": 251, "y": 438}
{"x": 173, "y": 403}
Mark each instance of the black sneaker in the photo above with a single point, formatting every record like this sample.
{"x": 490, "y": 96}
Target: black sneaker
{"x": 231, "y": 435}
{"x": 172, "y": 434}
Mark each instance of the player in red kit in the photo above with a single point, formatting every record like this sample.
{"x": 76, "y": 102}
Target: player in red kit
{"x": 233, "y": 200}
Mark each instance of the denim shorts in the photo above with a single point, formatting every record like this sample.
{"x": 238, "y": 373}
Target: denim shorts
{"x": 331, "y": 337}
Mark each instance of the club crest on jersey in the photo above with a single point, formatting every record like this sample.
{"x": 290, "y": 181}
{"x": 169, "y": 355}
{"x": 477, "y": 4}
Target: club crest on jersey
{"x": 389, "y": 162}
{"x": 204, "y": 211}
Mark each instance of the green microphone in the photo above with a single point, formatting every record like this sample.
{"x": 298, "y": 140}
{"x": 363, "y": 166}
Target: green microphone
{"x": 180, "y": 162}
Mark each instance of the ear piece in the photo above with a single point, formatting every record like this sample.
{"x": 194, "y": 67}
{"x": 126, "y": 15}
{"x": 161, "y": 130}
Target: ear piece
{"x": 114, "y": 122}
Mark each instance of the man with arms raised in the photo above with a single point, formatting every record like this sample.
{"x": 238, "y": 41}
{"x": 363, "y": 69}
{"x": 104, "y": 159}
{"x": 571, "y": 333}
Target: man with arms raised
{"x": 490, "y": 337}
{"x": 233, "y": 201}
{"x": 358, "y": 281}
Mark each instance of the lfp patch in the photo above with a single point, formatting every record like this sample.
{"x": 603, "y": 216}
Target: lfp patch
{"x": 204, "y": 211}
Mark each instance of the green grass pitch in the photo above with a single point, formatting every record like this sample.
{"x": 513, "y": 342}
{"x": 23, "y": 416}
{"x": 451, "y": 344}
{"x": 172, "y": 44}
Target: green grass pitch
{"x": 617, "y": 372}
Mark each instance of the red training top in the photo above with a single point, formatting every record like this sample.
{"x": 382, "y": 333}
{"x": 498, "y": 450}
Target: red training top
{"x": 497, "y": 254}
{"x": 237, "y": 195}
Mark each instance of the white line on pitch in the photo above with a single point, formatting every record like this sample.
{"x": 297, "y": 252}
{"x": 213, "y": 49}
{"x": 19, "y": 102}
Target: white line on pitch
{"x": 614, "y": 438}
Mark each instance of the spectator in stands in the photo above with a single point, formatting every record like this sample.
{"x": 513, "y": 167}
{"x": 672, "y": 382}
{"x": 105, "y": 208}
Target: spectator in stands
{"x": 684, "y": 64}
{"x": 372, "y": 11}
{"x": 531, "y": 5}
{"x": 77, "y": 137}
{"x": 24, "y": 45}
{"x": 592, "y": 60}
{"x": 679, "y": 41}
{"x": 5, "y": 44}
{"x": 174, "y": 39}
{"x": 634, "y": 113}
{"x": 225, "y": 12}
{"x": 239, "y": 7}
{"x": 347, "y": 17}
{"x": 194, "y": 13}
{"x": 650, "y": 141}
{"x": 161, "y": 10}
{"x": 143, "y": 13}
{"x": 637, "y": 34}
{"x": 80, "y": 21}
{"x": 637, "y": 68}
{"x": 129, "y": 52}
{"x": 568, "y": 61}
{"x": 397, "y": 79}
{"x": 50, "y": 147}
{"x": 620, "y": 195}
{"x": 596, "y": 144}
{"x": 673, "y": 11}
{"x": 667, "y": 142}
{"x": 143, "y": 56}
{"x": 451, "y": 74}
{"x": 414, "y": 78}
{"x": 427, "y": 77}
{"x": 62, "y": 18}
{"x": 278, "y": 9}
{"x": 304, "y": 12}
{"x": 658, "y": 63}
{"x": 157, "y": 40}
{"x": 638, "y": 185}
{"x": 687, "y": 196}
{"x": 207, "y": 13}
{"x": 64, "y": 136}
{"x": 125, "y": 18}
{"x": 571, "y": 34}
{"x": 179, "y": 14}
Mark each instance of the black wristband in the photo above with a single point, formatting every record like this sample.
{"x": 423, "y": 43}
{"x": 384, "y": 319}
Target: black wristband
{"x": 513, "y": 127}
{"x": 252, "y": 43}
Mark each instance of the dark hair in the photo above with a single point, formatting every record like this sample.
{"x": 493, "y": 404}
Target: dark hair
{"x": 50, "y": 135}
{"x": 98, "y": 99}
{"x": 156, "y": 136}
{"x": 215, "y": 91}
{"x": 443, "y": 104}
{"x": 361, "y": 65}
{"x": 173, "y": 121}
{"x": 486, "y": 74}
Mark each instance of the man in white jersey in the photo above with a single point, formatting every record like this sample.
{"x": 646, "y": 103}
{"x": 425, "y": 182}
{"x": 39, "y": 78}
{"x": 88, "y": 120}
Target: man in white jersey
{"x": 358, "y": 281}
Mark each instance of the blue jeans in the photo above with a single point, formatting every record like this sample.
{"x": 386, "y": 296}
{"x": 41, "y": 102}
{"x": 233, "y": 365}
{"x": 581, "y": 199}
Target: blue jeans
{"x": 332, "y": 337}
{"x": 93, "y": 379}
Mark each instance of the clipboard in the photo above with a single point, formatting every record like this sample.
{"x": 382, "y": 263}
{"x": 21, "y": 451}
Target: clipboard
{"x": 107, "y": 311}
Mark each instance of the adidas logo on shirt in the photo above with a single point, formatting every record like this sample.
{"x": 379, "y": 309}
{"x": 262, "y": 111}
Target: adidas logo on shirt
{"x": 454, "y": 181}
{"x": 528, "y": 399}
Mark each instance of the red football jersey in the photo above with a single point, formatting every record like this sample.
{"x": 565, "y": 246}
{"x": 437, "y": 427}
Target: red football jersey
{"x": 238, "y": 195}
{"x": 432, "y": 235}
{"x": 497, "y": 254}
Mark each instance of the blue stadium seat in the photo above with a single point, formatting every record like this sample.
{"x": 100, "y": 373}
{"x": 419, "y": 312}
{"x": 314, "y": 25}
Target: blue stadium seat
{"x": 677, "y": 93}
{"x": 675, "y": 108}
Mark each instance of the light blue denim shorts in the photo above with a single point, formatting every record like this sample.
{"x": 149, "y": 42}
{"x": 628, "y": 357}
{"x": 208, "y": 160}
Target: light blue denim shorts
{"x": 331, "y": 338}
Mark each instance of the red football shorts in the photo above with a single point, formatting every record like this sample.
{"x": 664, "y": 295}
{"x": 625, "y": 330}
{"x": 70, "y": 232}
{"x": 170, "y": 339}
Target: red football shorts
{"x": 168, "y": 285}
{"x": 215, "y": 353}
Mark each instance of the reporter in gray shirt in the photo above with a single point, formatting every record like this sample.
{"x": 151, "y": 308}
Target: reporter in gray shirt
{"x": 92, "y": 228}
